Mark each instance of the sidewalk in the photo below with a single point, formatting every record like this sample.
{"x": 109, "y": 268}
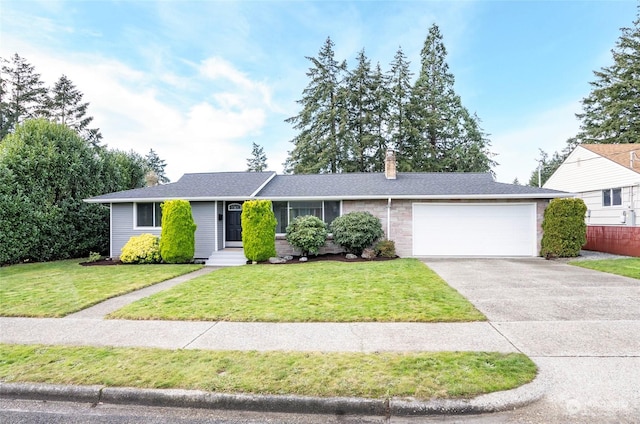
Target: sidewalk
{"x": 89, "y": 328}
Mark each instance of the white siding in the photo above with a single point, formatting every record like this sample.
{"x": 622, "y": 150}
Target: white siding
{"x": 204, "y": 214}
{"x": 587, "y": 174}
{"x": 610, "y": 215}
{"x": 585, "y": 171}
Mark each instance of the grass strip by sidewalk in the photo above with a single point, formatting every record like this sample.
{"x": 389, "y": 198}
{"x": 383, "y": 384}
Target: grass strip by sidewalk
{"x": 626, "y": 267}
{"x": 402, "y": 290}
{"x": 56, "y": 289}
{"x": 419, "y": 375}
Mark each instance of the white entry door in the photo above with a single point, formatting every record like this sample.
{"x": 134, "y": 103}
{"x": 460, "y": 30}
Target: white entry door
{"x": 474, "y": 229}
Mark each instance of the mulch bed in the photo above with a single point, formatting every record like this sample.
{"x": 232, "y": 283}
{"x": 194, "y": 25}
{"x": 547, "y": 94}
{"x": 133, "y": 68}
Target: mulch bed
{"x": 102, "y": 262}
{"x": 337, "y": 257}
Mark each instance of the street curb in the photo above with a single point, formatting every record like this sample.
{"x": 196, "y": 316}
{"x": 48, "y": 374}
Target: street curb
{"x": 492, "y": 402}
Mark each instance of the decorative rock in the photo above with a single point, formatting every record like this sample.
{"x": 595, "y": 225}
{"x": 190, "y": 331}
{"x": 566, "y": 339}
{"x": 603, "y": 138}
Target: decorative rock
{"x": 277, "y": 260}
{"x": 288, "y": 257}
{"x": 368, "y": 254}
{"x": 304, "y": 259}
{"x": 351, "y": 256}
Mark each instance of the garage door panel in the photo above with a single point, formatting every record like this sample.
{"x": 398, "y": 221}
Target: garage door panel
{"x": 457, "y": 229}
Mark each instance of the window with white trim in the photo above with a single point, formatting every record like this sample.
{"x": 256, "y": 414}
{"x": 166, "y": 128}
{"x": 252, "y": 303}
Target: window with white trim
{"x": 148, "y": 215}
{"x": 285, "y": 212}
{"x": 612, "y": 197}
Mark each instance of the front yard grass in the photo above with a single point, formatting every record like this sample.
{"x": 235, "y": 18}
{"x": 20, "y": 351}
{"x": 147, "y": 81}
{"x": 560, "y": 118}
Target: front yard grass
{"x": 626, "y": 267}
{"x": 402, "y": 290}
{"x": 380, "y": 375}
{"x": 56, "y": 289}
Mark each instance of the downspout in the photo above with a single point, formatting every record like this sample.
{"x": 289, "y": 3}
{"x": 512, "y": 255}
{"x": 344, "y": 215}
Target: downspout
{"x": 389, "y": 219}
{"x": 215, "y": 227}
{"x": 111, "y": 230}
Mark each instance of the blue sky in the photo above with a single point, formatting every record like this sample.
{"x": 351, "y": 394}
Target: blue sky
{"x": 199, "y": 81}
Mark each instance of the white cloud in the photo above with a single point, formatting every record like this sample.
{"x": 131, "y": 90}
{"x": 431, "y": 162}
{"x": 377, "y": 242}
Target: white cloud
{"x": 518, "y": 148}
{"x": 129, "y": 108}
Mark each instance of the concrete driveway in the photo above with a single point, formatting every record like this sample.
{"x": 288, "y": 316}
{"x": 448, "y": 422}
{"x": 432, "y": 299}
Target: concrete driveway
{"x": 581, "y": 327}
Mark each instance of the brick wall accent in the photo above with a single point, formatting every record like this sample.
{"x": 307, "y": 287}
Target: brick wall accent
{"x": 401, "y": 222}
{"x": 283, "y": 248}
{"x": 401, "y": 228}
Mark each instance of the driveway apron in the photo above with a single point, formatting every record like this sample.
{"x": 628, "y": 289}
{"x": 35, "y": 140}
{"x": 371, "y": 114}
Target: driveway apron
{"x": 582, "y": 328}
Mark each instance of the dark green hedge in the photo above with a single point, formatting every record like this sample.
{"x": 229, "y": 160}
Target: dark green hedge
{"x": 565, "y": 231}
{"x": 258, "y": 230}
{"x": 177, "y": 239}
{"x": 46, "y": 170}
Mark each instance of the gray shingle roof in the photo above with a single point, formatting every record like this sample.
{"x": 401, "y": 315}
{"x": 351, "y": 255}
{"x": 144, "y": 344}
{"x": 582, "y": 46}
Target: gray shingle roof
{"x": 245, "y": 185}
{"x": 376, "y": 185}
{"x": 223, "y": 185}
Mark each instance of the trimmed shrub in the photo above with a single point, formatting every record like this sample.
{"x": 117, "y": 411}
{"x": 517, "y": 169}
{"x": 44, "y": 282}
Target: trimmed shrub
{"x": 178, "y": 237}
{"x": 356, "y": 230}
{"x": 386, "y": 248}
{"x": 307, "y": 233}
{"x": 565, "y": 231}
{"x": 258, "y": 230}
{"x": 142, "y": 249}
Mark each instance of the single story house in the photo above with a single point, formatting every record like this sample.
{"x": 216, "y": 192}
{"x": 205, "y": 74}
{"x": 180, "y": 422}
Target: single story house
{"x": 425, "y": 214}
{"x": 607, "y": 178}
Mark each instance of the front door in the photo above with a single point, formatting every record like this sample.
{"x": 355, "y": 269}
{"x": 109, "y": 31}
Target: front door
{"x": 233, "y": 232}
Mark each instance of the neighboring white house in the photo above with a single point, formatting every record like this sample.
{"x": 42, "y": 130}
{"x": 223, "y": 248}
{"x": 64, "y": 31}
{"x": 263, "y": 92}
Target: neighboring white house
{"x": 607, "y": 178}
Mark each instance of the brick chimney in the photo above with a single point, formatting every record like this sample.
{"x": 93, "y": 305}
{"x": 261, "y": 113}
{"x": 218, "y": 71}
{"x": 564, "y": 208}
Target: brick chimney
{"x": 390, "y": 165}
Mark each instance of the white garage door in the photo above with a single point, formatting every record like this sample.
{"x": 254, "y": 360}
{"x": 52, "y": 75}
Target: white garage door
{"x": 472, "y": 229}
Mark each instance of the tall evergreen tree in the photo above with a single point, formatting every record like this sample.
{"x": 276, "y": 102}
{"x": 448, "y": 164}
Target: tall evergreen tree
{"x": 444, "y": 135}
{"x": 359, "y": 133}
{"x": 611, "y": 112}
{"x": 258, "y": 160}
{"x": 399, "y": 95}
{"x": 23, "y": 94}
{"x": 317, "y": 147}
{"x": 379, "y": 120}
{"x": 157, "y": 165}
{"x": 64, "y": 105}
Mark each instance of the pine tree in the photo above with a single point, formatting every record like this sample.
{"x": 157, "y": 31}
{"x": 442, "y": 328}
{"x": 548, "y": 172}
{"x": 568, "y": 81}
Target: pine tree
{"x": 444, "y": 136}
{"x": 611, "y": 112}
{"x": 399, "y": 95}
{"x": 64, "y": 105}
{"x": 23, "y": 94}
{"x": 156, "y": 165}
{"x": 317, "y": 147}
{"x": 379, "y": 120}
{"x": 359, "y": 134}
{"x": 258, "y": 160}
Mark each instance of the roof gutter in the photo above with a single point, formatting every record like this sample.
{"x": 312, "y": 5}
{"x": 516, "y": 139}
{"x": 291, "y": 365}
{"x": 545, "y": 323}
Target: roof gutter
{"x": 343, "y": 197}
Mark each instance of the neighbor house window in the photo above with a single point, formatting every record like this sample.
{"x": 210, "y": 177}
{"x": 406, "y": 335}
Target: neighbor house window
{"x": 148, "y": 214}
{"x": 612, "y": 197}
{"x": 286, "y": 212}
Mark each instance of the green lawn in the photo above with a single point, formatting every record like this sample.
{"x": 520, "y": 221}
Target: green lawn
{"x": 402, "y": 290}
{"x": 55, "y": 289}
{"x": 420, "y": 375}
{"x": 625, "y": 267}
